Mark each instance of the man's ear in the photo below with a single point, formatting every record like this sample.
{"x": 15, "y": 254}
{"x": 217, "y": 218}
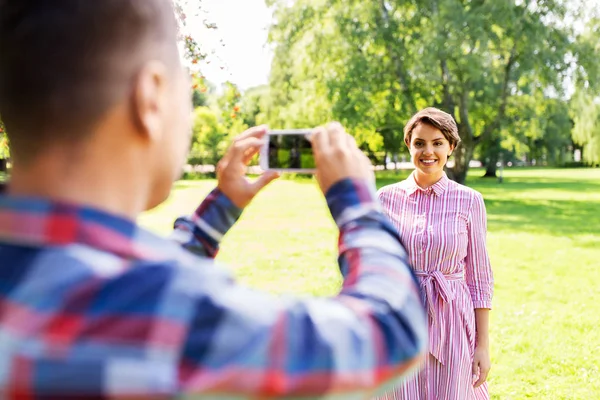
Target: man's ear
{"x": 150, "y": 99}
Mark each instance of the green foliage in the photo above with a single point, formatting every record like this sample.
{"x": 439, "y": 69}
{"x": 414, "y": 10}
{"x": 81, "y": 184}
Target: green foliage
{"x": 216, "y": 123}
{"x": 537, "y": 128}
{"x": 585, "y": 105}
{"x": 255, "y": 106}
{"x": 208, "y": 140}
{"x": 229, "y": 104}
{"x": 199, "y": 98}
{"x": 371, "y": 65}
{"x": 586, "y": 114}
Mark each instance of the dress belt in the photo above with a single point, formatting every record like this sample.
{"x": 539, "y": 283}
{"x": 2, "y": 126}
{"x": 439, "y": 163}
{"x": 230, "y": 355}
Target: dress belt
{"x": 435, "y": 285}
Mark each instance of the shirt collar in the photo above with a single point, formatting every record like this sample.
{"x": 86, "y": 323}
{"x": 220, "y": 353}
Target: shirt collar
{"x": 437, "y": 188}
{"x": 43, "y": 223}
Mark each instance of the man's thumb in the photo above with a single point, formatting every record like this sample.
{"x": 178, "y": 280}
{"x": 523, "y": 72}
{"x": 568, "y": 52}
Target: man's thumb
{"x": 266, "y": 178}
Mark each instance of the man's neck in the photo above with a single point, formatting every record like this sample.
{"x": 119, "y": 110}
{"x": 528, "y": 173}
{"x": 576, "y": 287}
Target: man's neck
{"x": 77, "y": 181}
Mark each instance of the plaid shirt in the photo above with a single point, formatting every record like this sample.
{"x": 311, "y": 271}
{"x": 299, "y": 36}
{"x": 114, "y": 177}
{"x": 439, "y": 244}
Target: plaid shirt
{"x": 92, "y": 306}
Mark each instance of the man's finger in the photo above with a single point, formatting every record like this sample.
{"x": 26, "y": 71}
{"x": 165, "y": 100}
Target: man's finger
{"x": 336, "y": 135}
{"x": 251, "y": 152}
{"x": 320, "y": 141}
{"x": 257, "y": 132}
{"x": 226, "y": 157}
{"x": 264, "y": 180}
{"x": 351, "y": 141}
{"x": 240, "y": 149}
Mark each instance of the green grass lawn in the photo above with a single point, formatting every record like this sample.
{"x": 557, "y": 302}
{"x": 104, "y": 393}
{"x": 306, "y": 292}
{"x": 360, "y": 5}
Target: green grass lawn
{"x": 544, "y": 242}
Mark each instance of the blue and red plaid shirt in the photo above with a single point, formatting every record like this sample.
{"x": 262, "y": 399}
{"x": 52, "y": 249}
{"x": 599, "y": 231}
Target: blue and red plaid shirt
{"x": 93, "y": 306}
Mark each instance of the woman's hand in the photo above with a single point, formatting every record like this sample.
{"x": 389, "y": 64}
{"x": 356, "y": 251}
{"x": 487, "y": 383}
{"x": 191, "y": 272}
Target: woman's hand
{"x": 481, "y": 365}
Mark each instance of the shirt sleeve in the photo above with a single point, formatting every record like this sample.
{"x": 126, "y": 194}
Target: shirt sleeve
{"x": 162, "y": 329}
{"x": 350, "y": 346}
{"x": 479, "y": 274}
{"x": 203, "y": 231}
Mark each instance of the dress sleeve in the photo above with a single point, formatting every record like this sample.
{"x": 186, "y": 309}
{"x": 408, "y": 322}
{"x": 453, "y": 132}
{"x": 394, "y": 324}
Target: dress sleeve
{"x": 479, "y": 275}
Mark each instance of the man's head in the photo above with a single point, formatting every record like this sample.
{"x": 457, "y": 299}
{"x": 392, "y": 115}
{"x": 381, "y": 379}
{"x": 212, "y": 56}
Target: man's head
{"x": 70, "y": 69}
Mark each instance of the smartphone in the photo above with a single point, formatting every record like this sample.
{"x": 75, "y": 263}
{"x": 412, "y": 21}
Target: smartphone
{"x": 288, "y": 150}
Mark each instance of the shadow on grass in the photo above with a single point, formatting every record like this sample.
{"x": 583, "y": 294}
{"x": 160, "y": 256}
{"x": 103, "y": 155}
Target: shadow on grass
{"x": 522, "y": 184}
{"x": 589, "y": 244}
{"x": 543, "y": 214}
{"x": 555, "y": 217}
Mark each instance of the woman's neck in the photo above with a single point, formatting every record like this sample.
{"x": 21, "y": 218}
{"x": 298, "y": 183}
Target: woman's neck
{"x": 425, "y": 181}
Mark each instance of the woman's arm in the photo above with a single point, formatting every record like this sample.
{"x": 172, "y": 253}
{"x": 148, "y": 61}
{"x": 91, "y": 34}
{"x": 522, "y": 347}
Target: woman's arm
{"x": 481, "y": 359}
{"x": 480, "y": 281}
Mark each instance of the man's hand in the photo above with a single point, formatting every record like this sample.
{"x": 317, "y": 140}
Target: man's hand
{"x": 231, "y": 170}
{"x": 338, "y": 157}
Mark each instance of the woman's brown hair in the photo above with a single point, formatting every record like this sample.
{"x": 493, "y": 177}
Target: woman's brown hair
{"x": 436, "y": 118}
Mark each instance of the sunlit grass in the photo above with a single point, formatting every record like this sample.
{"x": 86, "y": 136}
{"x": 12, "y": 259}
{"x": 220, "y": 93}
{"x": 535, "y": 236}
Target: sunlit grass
{"x": 544, "y": 243}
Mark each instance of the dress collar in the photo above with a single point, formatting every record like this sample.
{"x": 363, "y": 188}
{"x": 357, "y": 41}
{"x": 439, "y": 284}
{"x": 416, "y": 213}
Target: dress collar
{"x": 437, "y": 188}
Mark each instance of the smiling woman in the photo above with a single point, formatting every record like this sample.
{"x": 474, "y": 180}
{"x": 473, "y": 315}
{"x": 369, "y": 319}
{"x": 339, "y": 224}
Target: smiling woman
{"x": 443, "y": 227}
{"x": 431, "y": 135}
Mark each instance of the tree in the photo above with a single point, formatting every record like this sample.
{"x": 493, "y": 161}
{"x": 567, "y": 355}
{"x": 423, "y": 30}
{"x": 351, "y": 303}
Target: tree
{"x": 255, "y": 104}
{"x": 208, "y": 138}
{"x": 228, "y": 104}
{"x": 586, "y": 115}
{"x": 537, "y": 128}
{"x": 585, "y": 105}
{"x": 378, "y": 62}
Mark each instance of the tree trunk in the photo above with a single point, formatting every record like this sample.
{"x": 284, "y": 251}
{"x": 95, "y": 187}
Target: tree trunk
{"x": 492, "y": 167}
{"x": 492, "y": 130}
{"x": 492, "y": 164}
{"x": 464, "y": 152}
{"x": 399, "y": 69}
{"x": 562, "y": 156}
{"x": 462, "y": 156}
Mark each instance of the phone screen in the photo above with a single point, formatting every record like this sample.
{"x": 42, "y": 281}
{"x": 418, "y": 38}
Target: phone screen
{"x": 290, "y": 151}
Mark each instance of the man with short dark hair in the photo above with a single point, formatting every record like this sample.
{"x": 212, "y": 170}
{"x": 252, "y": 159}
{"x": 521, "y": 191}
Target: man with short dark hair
{"x": 97, "y": 107}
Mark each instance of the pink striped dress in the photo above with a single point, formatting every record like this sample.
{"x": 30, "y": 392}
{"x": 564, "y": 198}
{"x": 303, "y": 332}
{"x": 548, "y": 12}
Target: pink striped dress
{"x": 444, "y": 231}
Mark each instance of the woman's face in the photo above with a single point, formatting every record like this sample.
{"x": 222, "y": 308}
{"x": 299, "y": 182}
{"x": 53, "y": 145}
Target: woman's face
{"x": 429, "y": 150}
